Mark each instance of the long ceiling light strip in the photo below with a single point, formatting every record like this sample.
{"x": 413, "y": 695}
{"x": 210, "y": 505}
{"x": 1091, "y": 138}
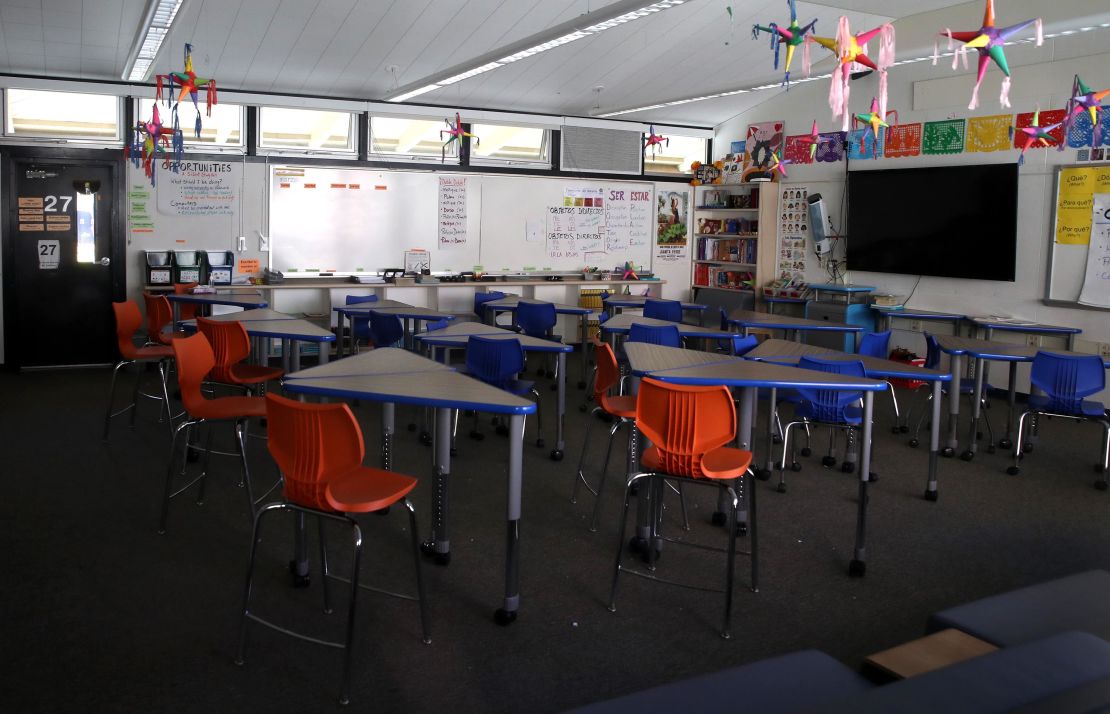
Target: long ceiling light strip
{"x": 530, "y": 51}
{"x": 777, "y": 85}
{"x": 156, "y": 25}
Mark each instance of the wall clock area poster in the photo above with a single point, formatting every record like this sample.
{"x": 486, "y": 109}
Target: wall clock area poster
{"x": 763, "y": 141}
{"x": 671, "y": 235}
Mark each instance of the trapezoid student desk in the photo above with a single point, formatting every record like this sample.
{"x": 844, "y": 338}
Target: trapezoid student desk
{"x": 622, "y": 325}
{"x": 983, "y": 351}
{"x": 889, "y": 314}
{"x": 615, "y": 303}
{"x": 395, "y": 376}
{"x": 233, "y": 299}
{"x": 410, "y": 315}
{"x": 747, "y": 319}
{"x": 510, "y": 302}
{"x": 750, "y": 376}
{"x": 266, "y": 323}
{"x": 456, "y": 337}
{"x": 790, "y": 353}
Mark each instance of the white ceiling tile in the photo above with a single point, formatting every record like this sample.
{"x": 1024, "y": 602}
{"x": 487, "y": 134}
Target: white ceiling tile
{"x": 25, "y": 62}
{"x": 62, "y": 19}
{"x": 61, "y": 34}
{"x": 26, "y": 15}
{"x": 65, "y": 50}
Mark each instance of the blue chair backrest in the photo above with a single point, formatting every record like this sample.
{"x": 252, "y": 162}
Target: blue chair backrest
{"x": 536, "y": 319}
{"x": 724, "y": 320}
{"x": 386, "y": 330}
{"x": 437, "y": 325}
{"x": 663, "y": 310}
{"x": 1066, "y": 379}
{"x": 494, "y": 361}
{"x": 360, "y": 325}
{"x": 666, "y": 335}
{"x": 828, "y": 404}
{"x": 875, "y": 344}
{"x": 932, "y": 353}
{"x": 743, "y": 345}
{"x": 482, "y": 298}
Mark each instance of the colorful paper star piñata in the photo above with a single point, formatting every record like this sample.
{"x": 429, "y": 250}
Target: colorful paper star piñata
{"x": 1034, "y": 134}
{"x": 791, "y": 36}
{"x": 852, "y": 55}
{"x": 454, "y": 133}
{"x": 1084, "y": 100}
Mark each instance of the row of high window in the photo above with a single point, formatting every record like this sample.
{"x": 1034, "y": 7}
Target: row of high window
{"x": 98, "y": 118}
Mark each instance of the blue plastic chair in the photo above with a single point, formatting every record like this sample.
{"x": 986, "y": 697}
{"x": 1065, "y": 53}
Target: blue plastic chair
{"x": 826, "y": 407}
{"x": 360, "y": 326}
{"x": 497, "y": 362}
{"x": 740, "y": 346}
{"x": 481, "y": 299}
{"x": 538, "y": 319}
{"x": 1065, "y": 380}
{"x": 666, "y": 335}
{"x": 875, "y": 344}
{"x": 663, "y": 310}
{"x": 386, "y": 330}
{"x": 967, "y": 386}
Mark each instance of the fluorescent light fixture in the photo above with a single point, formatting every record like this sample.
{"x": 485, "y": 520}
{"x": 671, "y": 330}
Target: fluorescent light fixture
{"x": 156, "y": 24}
{"x": 615, "y": 14}
{"x": 777, "y": 85}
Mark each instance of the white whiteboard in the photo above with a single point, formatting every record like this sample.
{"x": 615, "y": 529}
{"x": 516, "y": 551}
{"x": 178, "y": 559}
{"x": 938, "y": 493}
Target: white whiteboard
{"x": 355, "y": 219}
{"x": 1096, "y": 281}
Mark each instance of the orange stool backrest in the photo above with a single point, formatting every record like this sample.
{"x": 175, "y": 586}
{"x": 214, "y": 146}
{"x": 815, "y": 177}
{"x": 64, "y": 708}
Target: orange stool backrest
{"x": 195, "y": 360}
{"x": 158, "y": 315}
{"x": 187, "y": 310}
{"x": 685, "y": 422}
{"x": 608, "y": 371}
{"x": 310, "y": 443}
{"x": 230, "y": 344}
{"x": 128, "y": 321}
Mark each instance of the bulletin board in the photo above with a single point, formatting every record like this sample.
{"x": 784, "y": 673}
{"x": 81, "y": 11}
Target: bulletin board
{"x": 1070, "y": 232}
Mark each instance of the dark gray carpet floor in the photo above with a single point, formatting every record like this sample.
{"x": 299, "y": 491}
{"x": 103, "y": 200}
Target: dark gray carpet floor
{"x": 102, "y": 614}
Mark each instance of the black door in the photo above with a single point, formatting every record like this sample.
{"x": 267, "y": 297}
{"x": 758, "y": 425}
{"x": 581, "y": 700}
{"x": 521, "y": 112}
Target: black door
{"x": 63, "y": 248}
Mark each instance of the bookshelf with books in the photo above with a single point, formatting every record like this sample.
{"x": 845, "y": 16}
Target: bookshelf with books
{"x": 734, "y": 241}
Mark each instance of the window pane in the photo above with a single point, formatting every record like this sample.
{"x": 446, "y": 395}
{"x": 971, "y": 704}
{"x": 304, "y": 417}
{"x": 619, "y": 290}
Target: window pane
{"x": 409, "y": 137}
{"x": 674, "y": 157}
{"x": 305, "y": 129}
{"x": 511, "y": 143}
{"x": 223, "y": 128}
{"x": 61, "y": 114}
{"x": 86, "y": 227}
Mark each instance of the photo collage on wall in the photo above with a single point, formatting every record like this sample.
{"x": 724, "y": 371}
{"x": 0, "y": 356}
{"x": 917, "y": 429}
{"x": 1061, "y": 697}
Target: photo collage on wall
{"x": 793, "y": 230}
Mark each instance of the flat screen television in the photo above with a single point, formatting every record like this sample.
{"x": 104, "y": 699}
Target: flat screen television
{"x": 947, "y": 221}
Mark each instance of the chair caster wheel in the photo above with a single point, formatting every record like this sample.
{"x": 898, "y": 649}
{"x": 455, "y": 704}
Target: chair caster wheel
{"x": 872, "y": 477}
{"x": 429, "y": 551}
{"x": 829, "y": 461}
{"x": 1100, "y": 485}
{"x": 930, "y": 495}
{"x": 806, "y": 451}
{"x": 477, "y": 435}
{"x": 914, "y": 443}
{"x": 556, "y": 455}
{"x": 781, "y": 488}
{"x": 539, "y": 443}
{"x": 948, "y": 452}
{"x": 847, "y": 467}
{"x": 1013, "y": 470}
{"x": 298, "y": 581}
{"x": 1005, "y": 443}
{"x": 904, "y": 429}
{"x": 741, "y": 529}
{"x": 426, "y": 438}
{"x": 762, "y": 475}
{"x": 857, "y": 568}
{"x": 504, "y": 617}
{"x": 582, "y": 385}
{"x": 967, "y": 455}
{"x": 412, "y": 427}
{"x": 637, "y": 544}
{"x": 795, "y": 467}
{"x": 502, "y": 430}
{"x": 776, "y": 439}
{"x": 717, "y": 519}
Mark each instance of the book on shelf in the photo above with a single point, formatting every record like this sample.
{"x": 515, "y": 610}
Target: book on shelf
{"x": 736, "y": 250}
{"x": 721, "y": 277}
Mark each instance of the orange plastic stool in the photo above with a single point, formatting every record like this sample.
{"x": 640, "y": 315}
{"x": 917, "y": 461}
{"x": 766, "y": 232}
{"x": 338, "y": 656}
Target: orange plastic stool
{"x": 128, "y": 321}
{"x": 186, "y": 310}
{"x": 232, "y": 345}
{"x": 158, "y": 315}
{"x": 319, "y": 449}
{"x": 688, "y": 427}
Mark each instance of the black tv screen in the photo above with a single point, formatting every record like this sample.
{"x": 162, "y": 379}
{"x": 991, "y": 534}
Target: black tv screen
{"x": 948, "y": 221}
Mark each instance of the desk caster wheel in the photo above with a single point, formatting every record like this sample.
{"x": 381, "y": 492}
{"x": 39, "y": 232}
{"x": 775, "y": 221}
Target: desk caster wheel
{"x": 504, "y": 617}
{"x": 1005, "y": 443}
{"x": 930, "y": 495}
{"x": 1100, "y": 485}
{"x": 760, "y": 474}
{"x": 556, "y": 455}
{"x": 828, "y": 461}
{"x": 872, "y": 477}
{"x": 636, "y": 544}
{"x": 582, "y": 384}
{"x": 948, "y": 452}
{"x": 781, "y": 488}
{"x": 477, "y": 435}
{"x": 857, "y": 568}
{"x": 806, "y": 451}
{"x": 741, "y": 529}
{"x": 412, "y": 427}
{"x": 847, "y": 467}
{"x": 914, "y": 443}
{"x": 429, "y": 551}
{"x": 967, "y": 455}
{"x": 539, "y": 442}
{"x": 717, "y": 519}
{"x": 795, "y": 467}
{"x": 426, "y": 438}
{"x": 298, "y": 581}
{"x": 1013, "y": 470}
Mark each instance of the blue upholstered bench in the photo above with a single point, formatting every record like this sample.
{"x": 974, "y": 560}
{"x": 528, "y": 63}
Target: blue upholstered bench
{"x": 1077, "y": 602}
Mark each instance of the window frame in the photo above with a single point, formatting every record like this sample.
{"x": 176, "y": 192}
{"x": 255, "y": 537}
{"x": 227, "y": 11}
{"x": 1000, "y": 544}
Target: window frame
{"x": 704, "y": 158}
{"x": 11, "y": 137}
{"x": 545, "y": 145}
{"x": 351, "y": 152}
{"x": 191, "y": 143}
{"x": 399, "y": 157}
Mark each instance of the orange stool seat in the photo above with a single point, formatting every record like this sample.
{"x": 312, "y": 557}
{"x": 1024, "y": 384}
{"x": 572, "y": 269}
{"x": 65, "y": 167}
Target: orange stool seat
{"x": 243, "y": 373}
{"x": 623, "y": 406}
{"x": 228, "y": 408}
{"x": 723, "y": 463}
{"x": 367, "y": 489}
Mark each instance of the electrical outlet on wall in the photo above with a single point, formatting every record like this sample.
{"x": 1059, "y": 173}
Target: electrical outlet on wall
{"x": 1033, "y": 340}
{"x": 915, "y": 325}
{"x": 1104, "y": 350}
{"x": 263, "y": 242}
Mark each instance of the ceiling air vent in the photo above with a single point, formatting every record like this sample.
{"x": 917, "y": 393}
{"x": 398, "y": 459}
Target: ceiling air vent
{"x": 614, "y": 151}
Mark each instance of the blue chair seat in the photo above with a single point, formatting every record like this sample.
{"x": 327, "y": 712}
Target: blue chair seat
{"x": 1087, "y": 408}
{"x": 806, "y": 410}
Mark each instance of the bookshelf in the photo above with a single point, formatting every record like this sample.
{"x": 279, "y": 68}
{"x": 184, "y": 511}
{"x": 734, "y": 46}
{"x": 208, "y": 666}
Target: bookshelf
{"x": 734, "y": 241}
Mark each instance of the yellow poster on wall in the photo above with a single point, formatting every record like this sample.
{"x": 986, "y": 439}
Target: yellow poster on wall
{"x": 1074, "y": 198}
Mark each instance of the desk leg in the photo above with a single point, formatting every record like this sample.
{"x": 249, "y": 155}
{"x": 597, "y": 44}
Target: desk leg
{"x": 769, "y": 467}
{"x": 388, "y": 412}
{"x": 439, "y": 547}
{"x": 1071, "y": 342}
{"x": 506, "y": 614}
{"x": 953, "y": 407}
{"x": 858, "y": 566}
{"x": 1011, "y": 400}
{"x": 325, "y": 352}
{"x": 585, "y": 329}
{"x": 286, "y": 358}
{"x": 294, "y": 351}
{"x": 976, "y": 408}
{"x": 560, "y": 415}
{"x": 339, "y": 319}
{"x": 934, "y": 444}
{"x": 176, "y": 316}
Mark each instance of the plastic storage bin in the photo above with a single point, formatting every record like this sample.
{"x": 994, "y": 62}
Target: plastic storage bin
{"x": 220, "y": 266}
{"x": 187, "y": 267}
{"x": 159, "y": 269}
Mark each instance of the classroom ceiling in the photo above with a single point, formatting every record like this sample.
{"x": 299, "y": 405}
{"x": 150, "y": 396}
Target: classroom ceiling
{"x": 365, "y": 48}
